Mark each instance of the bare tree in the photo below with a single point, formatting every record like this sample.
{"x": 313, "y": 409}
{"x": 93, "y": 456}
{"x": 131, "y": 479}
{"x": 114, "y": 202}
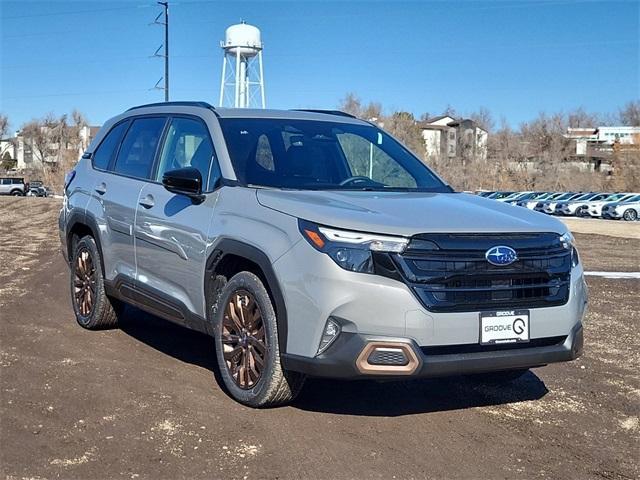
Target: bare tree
{"x": 4, "y": 126}
{"x": 55, "y": 144}
{"x": 4, "y": 133}
{"x": 484, "y": 119}
{"x": 404, "y": 127}
{"x": 450, "y": 111}
{"x": 352, "y": 104}
{"x": 630, "y": 114}
{"x": 372, "y": 112}
{"x": 538, "y": 155}
{"x": 580, "y": 118}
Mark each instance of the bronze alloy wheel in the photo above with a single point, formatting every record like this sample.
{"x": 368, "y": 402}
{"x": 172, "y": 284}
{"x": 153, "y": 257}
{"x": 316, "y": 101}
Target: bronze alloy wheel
{"x": 243, "y": 339}
{"x": 84, "y": 282}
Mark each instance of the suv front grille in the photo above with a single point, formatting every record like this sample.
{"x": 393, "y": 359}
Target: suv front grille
{"x": 454, "y": 275}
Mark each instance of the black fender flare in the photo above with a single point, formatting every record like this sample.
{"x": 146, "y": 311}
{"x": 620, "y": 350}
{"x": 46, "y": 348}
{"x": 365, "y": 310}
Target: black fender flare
{"x": 228, "y": 246}
{"x": 81, "y": 218}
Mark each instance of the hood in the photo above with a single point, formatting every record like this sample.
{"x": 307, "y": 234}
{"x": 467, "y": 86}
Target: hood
{"x": 406, "y": 214}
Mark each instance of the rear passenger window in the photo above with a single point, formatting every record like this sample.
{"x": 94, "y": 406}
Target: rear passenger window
{"x": 138, "y": 149}
{"x": 107, "y": 148}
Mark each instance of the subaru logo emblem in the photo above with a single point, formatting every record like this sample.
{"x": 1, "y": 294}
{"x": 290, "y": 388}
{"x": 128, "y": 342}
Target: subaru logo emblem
{"x": 501, "y": 256}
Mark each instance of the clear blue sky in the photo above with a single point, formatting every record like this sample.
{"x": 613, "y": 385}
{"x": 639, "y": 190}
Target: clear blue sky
{"x": 517, "y": 58}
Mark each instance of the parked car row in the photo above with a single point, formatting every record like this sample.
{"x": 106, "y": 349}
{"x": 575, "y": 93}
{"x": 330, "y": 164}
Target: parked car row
{"x": 16, "y": 186}
{"x": 616, "y": 206}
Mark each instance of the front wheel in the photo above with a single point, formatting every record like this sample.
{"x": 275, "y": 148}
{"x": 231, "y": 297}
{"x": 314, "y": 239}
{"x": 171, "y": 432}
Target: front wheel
{"x": 630, "y": 215}
{"x": 246, "y": 338}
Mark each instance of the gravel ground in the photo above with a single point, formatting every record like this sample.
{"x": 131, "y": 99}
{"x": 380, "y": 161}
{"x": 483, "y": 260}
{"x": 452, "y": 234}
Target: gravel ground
{"x": 144, "y": 402}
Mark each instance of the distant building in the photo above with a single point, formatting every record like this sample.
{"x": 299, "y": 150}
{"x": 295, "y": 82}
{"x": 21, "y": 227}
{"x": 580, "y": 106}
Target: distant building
{"x": 592, "y": 139}
{"x": 21, "y": 148}
{"x": 594, "y": 146}
{"x": 447, "y": 137}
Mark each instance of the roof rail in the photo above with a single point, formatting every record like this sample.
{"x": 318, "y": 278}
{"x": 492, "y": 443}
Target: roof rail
{"x": 328, "y": 112}
{"x": 174, "y": 104}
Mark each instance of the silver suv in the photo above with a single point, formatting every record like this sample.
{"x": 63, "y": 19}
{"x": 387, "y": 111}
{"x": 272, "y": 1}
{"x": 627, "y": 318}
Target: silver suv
{"x": 311, "y": 243}
{"x": 13, "y": 186}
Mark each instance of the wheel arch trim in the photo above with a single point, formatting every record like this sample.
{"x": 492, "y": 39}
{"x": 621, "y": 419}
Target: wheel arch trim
{"x": 228, "y": 246}
{"x": 81, "y": 218}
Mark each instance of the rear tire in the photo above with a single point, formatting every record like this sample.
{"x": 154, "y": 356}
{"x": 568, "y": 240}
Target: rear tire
{"x": 630, "y": 215}
{"x": 246, "y": 340}
{"x": 93, "y": 308}
{"x": 16, "y": 193}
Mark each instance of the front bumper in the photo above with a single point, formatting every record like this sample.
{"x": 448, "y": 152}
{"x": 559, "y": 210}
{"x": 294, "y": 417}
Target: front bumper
{"x": 343, "y": 358}
{"x": 612, "y": 214}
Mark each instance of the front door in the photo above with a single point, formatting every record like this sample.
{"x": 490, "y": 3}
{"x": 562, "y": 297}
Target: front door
{"x": 171, "y": 230}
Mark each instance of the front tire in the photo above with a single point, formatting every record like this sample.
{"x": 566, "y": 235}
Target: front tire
{"x": 246, "y": 339}
{"x": 630, "y": 215}
{"x": 93, "y": 308}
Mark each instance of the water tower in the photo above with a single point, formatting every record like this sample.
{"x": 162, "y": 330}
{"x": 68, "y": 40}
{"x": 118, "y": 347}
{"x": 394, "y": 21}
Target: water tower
{"x": 242, "y": 83}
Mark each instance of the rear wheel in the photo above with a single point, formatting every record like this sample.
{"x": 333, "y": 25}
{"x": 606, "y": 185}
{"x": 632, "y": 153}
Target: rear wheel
{"x": 246, "y": 338}
{"x": 93, "y": 308}
{"x": 16, "y": 193}
{"x": 630, "y": 215}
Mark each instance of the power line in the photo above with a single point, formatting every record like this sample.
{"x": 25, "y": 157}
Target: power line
{"x": 82, "y": 94}
{"x": 51, "y": 14}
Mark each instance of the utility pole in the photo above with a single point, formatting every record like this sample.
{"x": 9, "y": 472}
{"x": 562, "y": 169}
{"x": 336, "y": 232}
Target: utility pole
{"x": 166, "y": 49}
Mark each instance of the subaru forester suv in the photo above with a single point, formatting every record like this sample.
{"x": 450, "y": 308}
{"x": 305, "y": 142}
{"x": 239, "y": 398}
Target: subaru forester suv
{"x": 312, "y": 243}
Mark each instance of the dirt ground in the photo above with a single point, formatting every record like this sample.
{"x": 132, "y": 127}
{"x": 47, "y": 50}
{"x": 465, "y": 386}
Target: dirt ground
{"x": 144, "y": 402}
{"x": 599, "y": 226}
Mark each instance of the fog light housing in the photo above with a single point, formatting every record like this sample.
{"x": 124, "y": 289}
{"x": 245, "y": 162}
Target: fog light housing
{"x": 329, "y": 334}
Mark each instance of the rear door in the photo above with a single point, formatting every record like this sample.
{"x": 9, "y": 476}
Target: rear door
{"x": 119, "y": 191}
{"x": 171, "y": 230}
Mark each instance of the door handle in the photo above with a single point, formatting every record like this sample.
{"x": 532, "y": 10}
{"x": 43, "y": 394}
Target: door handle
{"x": 147, "y": 202}
{"x": 101, "y": 188}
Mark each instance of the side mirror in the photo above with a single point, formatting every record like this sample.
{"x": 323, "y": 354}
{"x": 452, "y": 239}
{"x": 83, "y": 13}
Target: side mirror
{"x": 184, "y": 181}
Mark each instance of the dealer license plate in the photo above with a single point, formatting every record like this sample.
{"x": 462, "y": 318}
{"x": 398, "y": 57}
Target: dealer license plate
{"x": 509, "y": 326}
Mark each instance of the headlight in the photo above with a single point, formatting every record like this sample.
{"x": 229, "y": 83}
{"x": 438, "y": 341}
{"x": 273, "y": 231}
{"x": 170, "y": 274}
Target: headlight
{"x": 350, "y": 250}
{"x": 569, "y": 243}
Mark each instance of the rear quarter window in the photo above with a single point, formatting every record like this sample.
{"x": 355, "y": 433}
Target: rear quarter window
{"x": 109, "y": 146}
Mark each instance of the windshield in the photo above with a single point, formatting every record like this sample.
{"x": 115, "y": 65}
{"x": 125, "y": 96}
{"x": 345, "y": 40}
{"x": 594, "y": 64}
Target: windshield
{"x": 318, "y": 155}
{"x": 585, "y": 196}
{"x": 501, "y": 195}
{"x": 616, "y": 196}
{"x": 549, "y": 196}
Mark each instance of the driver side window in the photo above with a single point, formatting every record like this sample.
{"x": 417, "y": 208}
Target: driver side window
{"x": 366, "y": 159}
{"x": 188, "y": 144}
